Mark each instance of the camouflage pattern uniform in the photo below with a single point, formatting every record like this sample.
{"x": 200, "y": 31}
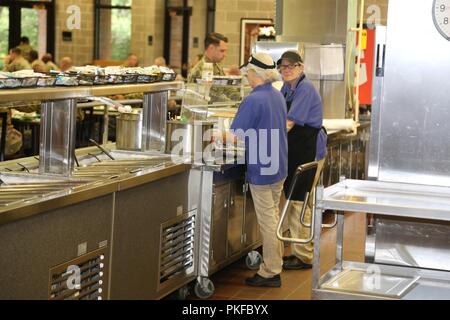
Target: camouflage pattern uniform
{"x": 49, "y": 66}
{"x": 217, "y": 94}
{"x": 38, "y": 66}
{"x": 17, "y": 65}
{"x": 26, "y": 49}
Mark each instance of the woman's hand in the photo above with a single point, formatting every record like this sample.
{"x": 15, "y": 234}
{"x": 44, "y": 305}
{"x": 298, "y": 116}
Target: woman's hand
{"x": 289, "y": 125}
{"x": 226, "y": 137}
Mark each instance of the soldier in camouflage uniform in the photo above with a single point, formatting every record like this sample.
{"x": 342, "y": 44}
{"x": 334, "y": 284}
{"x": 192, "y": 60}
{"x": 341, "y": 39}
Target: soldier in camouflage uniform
{"x": 216, "y": 46}
{"x": 25, "y": 47}
{"x": 16, "y": 61}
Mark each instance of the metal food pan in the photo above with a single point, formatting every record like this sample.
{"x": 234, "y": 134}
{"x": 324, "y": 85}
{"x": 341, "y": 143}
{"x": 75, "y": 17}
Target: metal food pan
{"x": 67, "y": 81}
{"x": 46, "y": 81}
{"x": 30, "y": 82}
{"x": 130, "y": 78}
{"x": 169, "y": 76}
{"x": 86, "y": 79}
{"x": 11, "y": 83}
{"x": 101, "y": 80}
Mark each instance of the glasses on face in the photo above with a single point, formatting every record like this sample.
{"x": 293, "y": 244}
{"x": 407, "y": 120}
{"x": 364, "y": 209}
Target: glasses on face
{"x": 289, "y": 67}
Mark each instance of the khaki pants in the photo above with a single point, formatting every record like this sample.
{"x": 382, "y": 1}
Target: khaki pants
{"x": 267, "y": 201}
{"x": 304, "y": 252}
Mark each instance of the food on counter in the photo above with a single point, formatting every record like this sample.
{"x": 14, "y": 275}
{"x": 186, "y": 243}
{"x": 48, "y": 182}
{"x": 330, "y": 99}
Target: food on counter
{"x": 86, "y": 75}
{"x": 224, "y": 80}
{"x": 125, "y": 109}
{"x": 23, "y": 78}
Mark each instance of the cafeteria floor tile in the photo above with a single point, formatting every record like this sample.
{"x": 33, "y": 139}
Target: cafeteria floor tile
{"x": 296, "y": 285}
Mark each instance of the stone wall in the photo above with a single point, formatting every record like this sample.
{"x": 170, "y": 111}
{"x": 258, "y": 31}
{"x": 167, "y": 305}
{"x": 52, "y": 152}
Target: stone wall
{"x": 382, "y": 5}
{"x": 228, "y": 21}
{"x": 148, "y": 20}
{"x": 81, "y": 48}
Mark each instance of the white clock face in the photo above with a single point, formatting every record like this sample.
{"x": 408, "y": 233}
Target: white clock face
{"x": 441, "y": 16}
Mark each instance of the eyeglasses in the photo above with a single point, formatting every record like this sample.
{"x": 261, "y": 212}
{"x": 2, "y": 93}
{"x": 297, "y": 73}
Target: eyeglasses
{"x": 288, "y": 67}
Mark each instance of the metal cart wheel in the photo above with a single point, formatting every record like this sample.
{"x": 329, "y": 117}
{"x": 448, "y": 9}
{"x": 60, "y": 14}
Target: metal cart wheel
{"x": 182, "y": 293}
{"x": 253, "y": 260}
{"x": 204, "y": 288}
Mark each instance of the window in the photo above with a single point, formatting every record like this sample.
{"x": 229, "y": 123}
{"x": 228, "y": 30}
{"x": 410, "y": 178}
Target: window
{"x": 113, "y": 29}
{"x": 34, "y": 19}
{"x": 4, "y": 31}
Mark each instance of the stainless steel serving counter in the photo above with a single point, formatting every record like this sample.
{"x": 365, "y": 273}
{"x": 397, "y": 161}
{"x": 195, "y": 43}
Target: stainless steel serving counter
{"x": 61, "y": 93}
{"x": 28, "y": 194}
{"x": 132, "y": 212}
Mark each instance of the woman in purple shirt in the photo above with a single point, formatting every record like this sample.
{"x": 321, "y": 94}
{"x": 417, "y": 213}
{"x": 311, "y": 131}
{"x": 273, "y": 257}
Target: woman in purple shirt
{"x": 261, "y": 123}
{"x": 306, "y": 143}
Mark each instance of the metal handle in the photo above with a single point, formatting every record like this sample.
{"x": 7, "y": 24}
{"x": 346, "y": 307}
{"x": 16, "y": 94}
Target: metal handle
{"x": 102, "y": 149}
{"x": 301, "y": 170}
{"x": 283, "y": 216}
{"x": 380, "y": 51}
{"x": 326, "y": 226}
{"x": 107, "y": 101}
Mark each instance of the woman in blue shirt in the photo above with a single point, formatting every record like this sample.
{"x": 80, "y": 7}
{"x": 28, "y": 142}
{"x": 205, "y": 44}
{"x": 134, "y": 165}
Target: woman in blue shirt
{"x": 261, "y": 123}
{"x": 306, "y": 143}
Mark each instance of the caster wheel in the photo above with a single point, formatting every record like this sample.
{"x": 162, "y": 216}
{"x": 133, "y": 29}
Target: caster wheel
{"x": 204, "y": 289}
{"x": 182, "y": 293}
{"x": 253, "y": 260}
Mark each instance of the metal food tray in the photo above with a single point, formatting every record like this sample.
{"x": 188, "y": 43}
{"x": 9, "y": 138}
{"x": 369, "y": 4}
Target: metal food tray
{"x": 388, "y": 198}
{"x": 11, "y": 83}
{"x": 86, "y": 79}
{"x": 30, "y": 82}
{"x": 101, "y": 80}
{"x": 46, "y": 81}
{"x": 147, "y": 78}
{"x": 357, "y": 281}
{"x": 130, "y": 78}
{"x": 168, "y": 76}
{"x": 115, "y": 79}
{"x": 226, "y": 81}
{"x": 67, "y": 80}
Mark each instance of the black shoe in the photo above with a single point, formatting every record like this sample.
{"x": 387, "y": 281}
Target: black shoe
{"x": 258, "y": 281}
{"x": 288, "y": 257}
{"x": 295, "y": 264}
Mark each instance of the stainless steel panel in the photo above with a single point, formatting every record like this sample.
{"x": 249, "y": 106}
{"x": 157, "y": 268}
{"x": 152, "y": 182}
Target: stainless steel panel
{"x": 413, "y": 243}
{"x": 32, "y": 246}
{"x": 363, "y": 282}
{"x": 207, "y": 206}
{"x": 219, "y": 224}
{"x": 154, "y": 121}
{"x": 235, "y": 218}
{"x": 388, "y": 198}
{"x": 315, "y": 21}
{"x": 415, "y": 109}
{"x": 332, "y": 89}
{"x": 429, "y": 284}
{"x": 139, "y": 214}
{"x": 251, "y": 233}
{"x": 377, "y": 100}
{"x": 334, "y": 97}
{"x": 57, "y": 147}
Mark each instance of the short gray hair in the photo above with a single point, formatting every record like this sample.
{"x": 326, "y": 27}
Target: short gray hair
{"x": 267, "y": 75}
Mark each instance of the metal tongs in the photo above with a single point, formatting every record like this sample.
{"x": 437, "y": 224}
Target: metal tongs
{"x": 107, "y": 101}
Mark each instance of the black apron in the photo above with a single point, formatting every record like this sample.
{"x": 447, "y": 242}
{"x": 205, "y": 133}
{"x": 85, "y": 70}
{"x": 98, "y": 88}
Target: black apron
{"x": 302, "y": 147}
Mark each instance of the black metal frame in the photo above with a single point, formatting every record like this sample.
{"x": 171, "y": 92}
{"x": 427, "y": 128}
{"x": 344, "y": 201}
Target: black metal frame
{"x": 15, "y": 21}
{"x": 186, "y": 12}
{"x": 211, "y": 16}
{"x": 98, "y": 7}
